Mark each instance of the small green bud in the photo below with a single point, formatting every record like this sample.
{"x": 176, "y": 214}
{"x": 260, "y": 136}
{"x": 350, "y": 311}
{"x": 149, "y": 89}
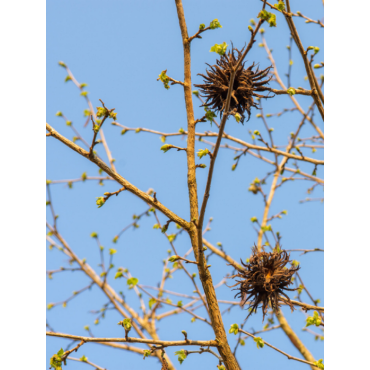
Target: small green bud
{"x": 319, "y": 363}
{"x": 253, "y": 188}
{"x": 146, "y": 353}
{"x": 280, "y": 5}
{"x": 164, "y": 78}
{"x": 291, "y": 91}
{"x": 202, "y": 26}
{"x": 196, "y": 93}
{"x": 234, "y": 329}
{"x": 171, "y": 237}
{"x": 62, "y": 64}
{"x": 166, "y": 148}
{"x": 215, "y": 24}
{"x": 100, "y": 201}
{"x": 252, "y": 22}
{"x": 59, "y": 114}
{"x": 219, "y": 48}
{"x": 202, "y": 152}
{"x": 259, "y": 341}
{"x": 84, "y": 93}
{"x": 181, "y": 356}
{"x": 126, "y": 323}
{"x": 132, "y": 282}
{"x": 115, "y": 239}
{"x": 313, "y": 320}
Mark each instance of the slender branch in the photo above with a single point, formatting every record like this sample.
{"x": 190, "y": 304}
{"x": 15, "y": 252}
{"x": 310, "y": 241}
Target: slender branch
{"x": 203, "y": 350}
{"x": 294, "y": 338}
{"x": 129, "y": 187}
{"x": 197, "y": 35}
{"x": 222, "y": 254}
{"x": 184, "y": 259}
{"x": 280, "y": 82}
{"x": 276, "y": 349}
{"x": 315, "y": 87}
{"x": 298, "y": 91}
{"x": 205, "y": 343}
{"x": 234, "y": 139}
{"x": 86, "y": 362}
{"x": 109, "y": 155}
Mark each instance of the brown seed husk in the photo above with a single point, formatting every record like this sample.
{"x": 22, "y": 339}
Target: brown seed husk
{"x": 246, "y": 84}
{"x": 264, "y": 280}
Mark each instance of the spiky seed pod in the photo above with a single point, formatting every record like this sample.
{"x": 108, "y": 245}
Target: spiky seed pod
{"x": 264, "y": 280}
{"x": 246, "y": 84}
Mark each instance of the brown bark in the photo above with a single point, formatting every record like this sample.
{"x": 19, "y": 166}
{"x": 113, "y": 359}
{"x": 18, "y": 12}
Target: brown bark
{"x": 204, "y": 274}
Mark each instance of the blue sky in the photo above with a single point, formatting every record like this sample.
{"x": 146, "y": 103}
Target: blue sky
{"x": 118, "y": 49}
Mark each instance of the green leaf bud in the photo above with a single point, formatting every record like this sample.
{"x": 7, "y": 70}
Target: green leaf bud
{"x": 259, "y": 341}
{"x": 215, "y": 24}
{"x": 202, "y": 152}
{"x": 220, "y": 49}
{"x": 166, "y": 148}
{"x": 100, "y": 201}
{"x": 234, "y": 329}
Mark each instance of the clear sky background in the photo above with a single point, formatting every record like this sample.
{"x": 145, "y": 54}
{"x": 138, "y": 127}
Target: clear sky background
{"x": 119, "y": 48}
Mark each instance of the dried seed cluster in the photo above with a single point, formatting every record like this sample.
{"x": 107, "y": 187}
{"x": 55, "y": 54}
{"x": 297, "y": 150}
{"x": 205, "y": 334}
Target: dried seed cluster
{"x": 246, "y": 84}
{"x": 264, "y": 280}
